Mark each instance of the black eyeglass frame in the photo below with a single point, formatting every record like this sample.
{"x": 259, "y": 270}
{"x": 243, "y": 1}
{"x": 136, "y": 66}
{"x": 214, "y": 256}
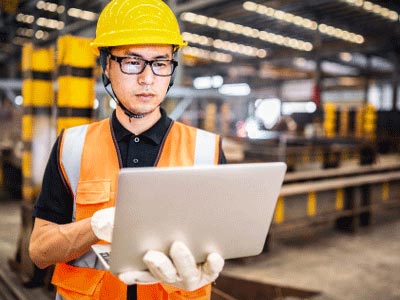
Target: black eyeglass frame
{"x": 120, "y": 59}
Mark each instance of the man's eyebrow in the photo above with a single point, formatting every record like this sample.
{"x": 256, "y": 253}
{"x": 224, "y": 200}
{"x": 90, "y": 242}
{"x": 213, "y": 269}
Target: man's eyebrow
{"x": 161, "y": 56}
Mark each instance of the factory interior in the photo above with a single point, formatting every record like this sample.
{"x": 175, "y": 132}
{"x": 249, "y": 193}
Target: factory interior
{"x": 311, "y": 83}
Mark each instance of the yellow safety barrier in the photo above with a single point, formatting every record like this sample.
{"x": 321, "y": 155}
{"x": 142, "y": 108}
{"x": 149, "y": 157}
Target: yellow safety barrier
{"x": 385, "y": 192}
{"x": 37, "y": 65}
{"x": 369, "y": 124}
{"x": 358, "y": 130}
{"x": 38, "y": 96}
{"x": 344, "y": 122}
{"x": 329, "y": 120}
{"x": 339, "y": 203}
{"x": 76, "y": 83}
{"x": 279, "y": 215}
{"x": 312, "y": 204}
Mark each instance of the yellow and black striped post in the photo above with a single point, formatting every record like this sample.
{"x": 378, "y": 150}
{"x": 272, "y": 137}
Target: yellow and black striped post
{"x": 76, "y": 82}
{"x": 359, "y": 121}
{"x": 38, "y": 98}
{"x": 330, "y": 120}
{"x": 344, "y": 122}
{"x": 369, "y": 124}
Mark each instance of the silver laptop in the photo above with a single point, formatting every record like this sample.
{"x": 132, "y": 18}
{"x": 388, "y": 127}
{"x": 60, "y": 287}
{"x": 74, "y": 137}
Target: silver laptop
{"x": 226, "y": 209}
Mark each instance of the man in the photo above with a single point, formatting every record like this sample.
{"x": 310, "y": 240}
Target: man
{"x": 136, "y": 41}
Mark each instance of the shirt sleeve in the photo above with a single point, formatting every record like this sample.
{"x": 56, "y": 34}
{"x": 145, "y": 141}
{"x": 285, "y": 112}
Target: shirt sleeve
{"x": 55, "y": 201}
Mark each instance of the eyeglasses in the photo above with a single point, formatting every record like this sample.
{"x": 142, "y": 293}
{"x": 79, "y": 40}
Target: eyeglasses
{"x": 136, "y": 65}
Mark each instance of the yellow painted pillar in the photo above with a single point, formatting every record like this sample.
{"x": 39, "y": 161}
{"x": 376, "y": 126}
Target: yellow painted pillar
{"x": 279, "y": 216}
{"x": 358, "y": 130}
{"x": 385, "y": 192}
{"x": 76, "y": 82}
{"x": 312, "y": 204}
{"x": 38, "y": 97}
{"x": 344, "y": 122}
{"x": 27, "y": 131}
{"x": 369, "y": 124}
{"x": 330, "y": 120}
{"x": 339, "y": 203}
{"x": 210, "y": 117}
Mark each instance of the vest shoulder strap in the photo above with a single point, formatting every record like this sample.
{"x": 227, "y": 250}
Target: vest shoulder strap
{"x": 71, "y": 154}
{"x": 204, "y": 153}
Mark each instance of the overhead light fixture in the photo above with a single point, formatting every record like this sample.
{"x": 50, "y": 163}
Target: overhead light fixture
{"x": 208, "y": 82}
{"x": 207, "y": 55}
{"x": 27, "y": 32}
{"x": 18, "y": 100}
{"x": 41, "y": 35}
{"x": 236, "y": 89}
{"x": 303, "y": 22}
{"x": 280, "y": 15}
{"x": 247, "y": 31}
{"x": 50, "y": 23}
{"x": 17, "y": 40}
{"x": 50, "y": 6}
{"x": 375, "y": 8}
{"x": 82, "y": 14}
{"x": 22, "y": 18}
{"x": 224, "y": 45}
{"x": 345, "y": 56}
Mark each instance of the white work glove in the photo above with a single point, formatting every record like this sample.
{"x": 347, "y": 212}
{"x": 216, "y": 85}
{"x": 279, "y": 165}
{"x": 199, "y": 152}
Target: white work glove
{"x": 180, "y": 271}
{"x": 102, "y": 223}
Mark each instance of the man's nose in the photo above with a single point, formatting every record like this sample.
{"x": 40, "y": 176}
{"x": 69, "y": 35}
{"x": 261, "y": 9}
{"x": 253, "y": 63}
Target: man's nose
{"x": 147, "y": 76}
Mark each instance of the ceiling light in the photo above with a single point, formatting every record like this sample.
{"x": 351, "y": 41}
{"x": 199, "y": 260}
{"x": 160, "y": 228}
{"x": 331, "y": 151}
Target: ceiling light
{"x": 50, "y": 6}
{"x": 208, "y": 82}
{"x": 237, "y": 89}
{"x": 280, "y": 15}
{"x": 375, "y": 8}
{"x": 345, "y": 56}
{"x": 224, "y": 45}
{"x": 207, "y": 55}
{"x": 303, "y": 22}
{"x": 50, "y": 23}
{"x": 27, "y": 32}
{"x": 29, "y": 19}
{"x": 249, "y": 32}
{"x": 82, "y": 14}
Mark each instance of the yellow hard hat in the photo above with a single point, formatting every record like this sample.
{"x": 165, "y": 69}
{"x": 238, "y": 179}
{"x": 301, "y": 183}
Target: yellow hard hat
{"x": 133, "y": 22}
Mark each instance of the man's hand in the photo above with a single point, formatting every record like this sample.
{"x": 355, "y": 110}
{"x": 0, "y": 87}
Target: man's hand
{"x": 102, "y": 223}
{"x": 180, "y": 271}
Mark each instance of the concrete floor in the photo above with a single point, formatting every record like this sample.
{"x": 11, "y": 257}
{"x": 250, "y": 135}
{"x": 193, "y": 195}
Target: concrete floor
{"x": 360, "y": 266}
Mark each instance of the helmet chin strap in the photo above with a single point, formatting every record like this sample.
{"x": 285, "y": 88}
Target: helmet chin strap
{"x": 106, "y": 83}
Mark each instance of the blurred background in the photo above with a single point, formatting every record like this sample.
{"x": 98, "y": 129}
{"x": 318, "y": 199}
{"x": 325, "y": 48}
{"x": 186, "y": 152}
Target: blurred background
{"x": 313, "y": 83}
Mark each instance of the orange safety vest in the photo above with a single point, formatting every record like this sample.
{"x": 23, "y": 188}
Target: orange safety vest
{"x": 90, "y": 165}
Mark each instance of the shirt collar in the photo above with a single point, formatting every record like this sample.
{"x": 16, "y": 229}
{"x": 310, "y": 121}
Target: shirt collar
{"x": 155, "y": 133}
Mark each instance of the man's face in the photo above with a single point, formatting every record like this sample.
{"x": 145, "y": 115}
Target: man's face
{"x": 140, "y": 93}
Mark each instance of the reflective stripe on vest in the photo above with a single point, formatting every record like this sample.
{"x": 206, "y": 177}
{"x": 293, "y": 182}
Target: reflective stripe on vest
{"x": 204, "y": 152}
{"x": 74, "y": 139}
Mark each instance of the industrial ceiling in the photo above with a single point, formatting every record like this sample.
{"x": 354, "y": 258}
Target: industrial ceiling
{"x": 252, "y": 40}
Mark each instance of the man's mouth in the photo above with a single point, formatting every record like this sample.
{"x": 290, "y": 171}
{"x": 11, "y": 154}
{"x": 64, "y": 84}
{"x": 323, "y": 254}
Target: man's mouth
{"x": 145, "y": 95}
